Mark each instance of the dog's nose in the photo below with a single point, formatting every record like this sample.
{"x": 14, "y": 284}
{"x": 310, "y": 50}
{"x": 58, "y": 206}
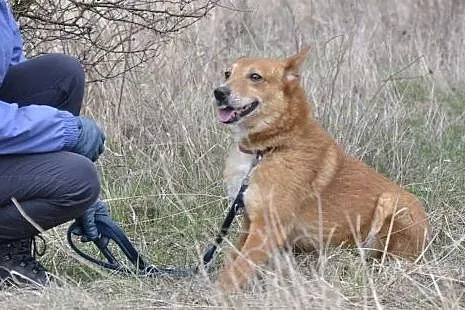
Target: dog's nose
{"x": 221, "y": 93}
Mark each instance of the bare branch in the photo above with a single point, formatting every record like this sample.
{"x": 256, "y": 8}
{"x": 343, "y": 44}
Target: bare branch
{"x": 110, "y": 37}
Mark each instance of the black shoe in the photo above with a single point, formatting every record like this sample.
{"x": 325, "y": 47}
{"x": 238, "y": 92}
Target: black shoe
{"x": 18, "y": 266}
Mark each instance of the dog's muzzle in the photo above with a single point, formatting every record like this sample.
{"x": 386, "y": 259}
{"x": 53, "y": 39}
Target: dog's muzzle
{"x": 227, "y": 113}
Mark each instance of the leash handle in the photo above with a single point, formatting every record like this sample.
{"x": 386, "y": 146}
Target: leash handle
{"x": 111, "y": 231}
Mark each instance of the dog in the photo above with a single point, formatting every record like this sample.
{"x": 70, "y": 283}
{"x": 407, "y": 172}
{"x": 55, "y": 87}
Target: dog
{"x": 304, "y": 192}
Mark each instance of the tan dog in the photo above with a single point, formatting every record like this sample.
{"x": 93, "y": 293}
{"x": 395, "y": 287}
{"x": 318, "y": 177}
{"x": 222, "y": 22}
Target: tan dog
{"x": 305, "y": 192}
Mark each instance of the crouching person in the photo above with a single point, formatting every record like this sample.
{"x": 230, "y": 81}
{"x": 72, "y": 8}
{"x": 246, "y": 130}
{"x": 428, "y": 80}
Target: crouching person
{"x": 46, "y": 152}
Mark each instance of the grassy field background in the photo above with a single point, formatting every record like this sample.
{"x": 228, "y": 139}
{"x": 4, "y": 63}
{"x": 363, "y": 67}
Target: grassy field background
{"x": 385, "y": 78}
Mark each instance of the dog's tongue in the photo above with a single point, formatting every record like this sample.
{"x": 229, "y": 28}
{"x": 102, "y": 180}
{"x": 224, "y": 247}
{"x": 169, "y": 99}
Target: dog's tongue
{"x": 225, "y": 115}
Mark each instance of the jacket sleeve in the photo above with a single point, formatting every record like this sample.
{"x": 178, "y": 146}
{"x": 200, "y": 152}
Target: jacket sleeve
{"x": 36, "y": 129}
{"x": 18, "y": 53}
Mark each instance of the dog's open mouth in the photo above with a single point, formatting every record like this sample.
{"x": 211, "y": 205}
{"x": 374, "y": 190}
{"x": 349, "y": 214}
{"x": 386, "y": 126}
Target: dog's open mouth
{"x": 228, "y": 115}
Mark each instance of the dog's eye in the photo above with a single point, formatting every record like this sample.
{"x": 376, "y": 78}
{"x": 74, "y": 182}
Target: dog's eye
{"x": 227, "y": 74}
{"x": 255, "y": 77}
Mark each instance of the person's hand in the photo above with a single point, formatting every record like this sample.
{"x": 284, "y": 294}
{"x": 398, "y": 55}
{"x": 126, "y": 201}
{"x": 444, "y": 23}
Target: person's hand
{"x": 91, "y": 140}
{"x": 86, "y": 222}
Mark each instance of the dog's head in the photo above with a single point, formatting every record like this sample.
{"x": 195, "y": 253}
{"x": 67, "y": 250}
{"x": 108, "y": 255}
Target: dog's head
{"x": 256, "y": 92}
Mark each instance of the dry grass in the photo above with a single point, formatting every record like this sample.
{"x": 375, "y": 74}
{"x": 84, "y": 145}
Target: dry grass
{"x": 386, "y": 80}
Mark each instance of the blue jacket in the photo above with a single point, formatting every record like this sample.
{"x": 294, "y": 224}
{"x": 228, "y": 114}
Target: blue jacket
{"x": 33, "y": 128}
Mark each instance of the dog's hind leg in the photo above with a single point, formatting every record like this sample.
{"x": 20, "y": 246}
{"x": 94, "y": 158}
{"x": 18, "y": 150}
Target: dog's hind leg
{"x": 410, "y": 229}
{"x": 385, "y": 207}
{"x": 398, "y": 226}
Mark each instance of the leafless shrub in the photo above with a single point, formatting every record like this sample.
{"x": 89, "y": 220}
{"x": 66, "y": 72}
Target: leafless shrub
{"x": 110, "y": 37}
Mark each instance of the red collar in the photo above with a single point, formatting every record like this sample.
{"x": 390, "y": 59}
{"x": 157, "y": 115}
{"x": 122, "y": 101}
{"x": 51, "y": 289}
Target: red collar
{"x": 260, "y": 152}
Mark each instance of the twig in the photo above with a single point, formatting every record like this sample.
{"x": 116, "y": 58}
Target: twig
{"x": 27, "y": 217}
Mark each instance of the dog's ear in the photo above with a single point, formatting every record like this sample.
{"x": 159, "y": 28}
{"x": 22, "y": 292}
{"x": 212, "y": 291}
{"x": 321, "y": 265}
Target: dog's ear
{"x": 293, "y": 63}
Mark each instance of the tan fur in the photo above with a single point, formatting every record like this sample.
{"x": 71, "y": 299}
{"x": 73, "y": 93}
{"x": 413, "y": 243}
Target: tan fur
{"x": 306, "y": 191}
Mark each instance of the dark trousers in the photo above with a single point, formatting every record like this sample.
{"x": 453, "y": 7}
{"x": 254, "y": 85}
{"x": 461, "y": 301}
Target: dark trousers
{"x": 52, "y": 188}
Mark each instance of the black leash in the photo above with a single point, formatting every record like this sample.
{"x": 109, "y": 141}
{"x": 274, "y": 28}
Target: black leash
{"x": 110, "y": 231}
{"x": 235, "y": 208}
